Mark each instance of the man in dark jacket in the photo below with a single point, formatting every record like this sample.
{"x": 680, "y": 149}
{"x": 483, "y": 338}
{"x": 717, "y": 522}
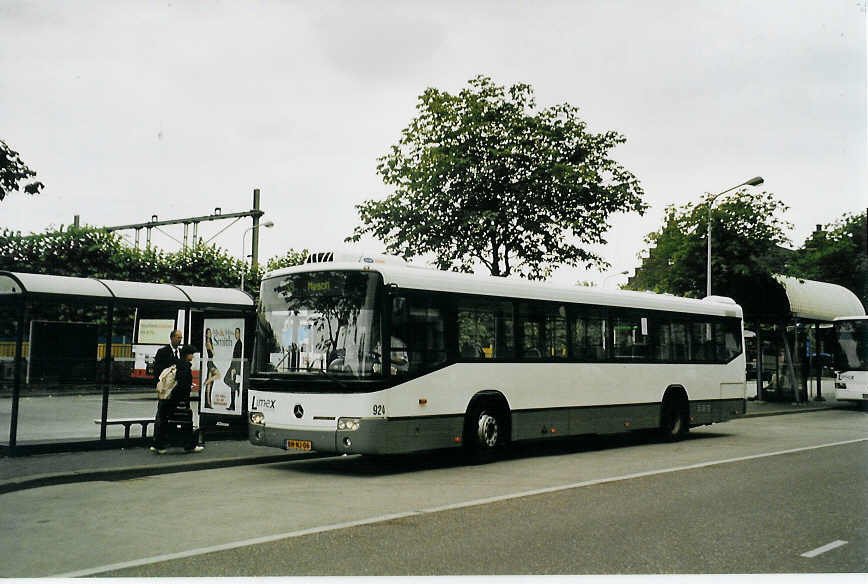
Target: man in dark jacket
{"x": 231, "y": 378}
{"x": 168, "y": 355}
{"x": 177, "y": 404}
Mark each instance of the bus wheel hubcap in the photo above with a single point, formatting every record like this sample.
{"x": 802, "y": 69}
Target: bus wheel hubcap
{"x": 487, "y": 430}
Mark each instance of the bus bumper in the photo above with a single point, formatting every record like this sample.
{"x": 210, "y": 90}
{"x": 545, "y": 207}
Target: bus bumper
{"x": 373, "y": 437}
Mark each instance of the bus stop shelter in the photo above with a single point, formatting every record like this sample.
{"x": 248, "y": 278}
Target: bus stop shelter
{"x": 788, "y": 359}
{"x": 76, "y": 357}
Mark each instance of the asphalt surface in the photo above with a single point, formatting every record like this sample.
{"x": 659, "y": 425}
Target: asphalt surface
{"x": 723, "y": 519}
{"x": 24, "y": 472}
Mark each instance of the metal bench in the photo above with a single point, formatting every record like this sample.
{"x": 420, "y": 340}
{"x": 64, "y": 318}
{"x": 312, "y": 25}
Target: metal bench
{"x": 126, "y": 423}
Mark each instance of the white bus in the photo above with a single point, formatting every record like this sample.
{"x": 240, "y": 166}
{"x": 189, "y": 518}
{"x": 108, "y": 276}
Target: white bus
{"x": 479, "y": 361}
{"x": 851, "y": 359}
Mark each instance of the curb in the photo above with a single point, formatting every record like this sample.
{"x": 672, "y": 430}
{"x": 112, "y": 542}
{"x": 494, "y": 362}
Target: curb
{"x": 798, "y": 410}
{"x": 130, "y": 472}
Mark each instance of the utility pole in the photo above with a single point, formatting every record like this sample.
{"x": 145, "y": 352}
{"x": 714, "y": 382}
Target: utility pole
{"x": 254, "y": 252}
{"x": 255, "y": 213}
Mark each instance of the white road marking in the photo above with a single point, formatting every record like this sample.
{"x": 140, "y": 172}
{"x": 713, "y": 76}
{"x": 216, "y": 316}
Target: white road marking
{"x": 473, "y": 503}
{"x": 823, "y": 549}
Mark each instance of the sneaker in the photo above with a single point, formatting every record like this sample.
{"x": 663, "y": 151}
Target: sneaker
{"x": 198, "y": 448}
{"x": 161, "y": 451}
{"x": 152, "y": 448}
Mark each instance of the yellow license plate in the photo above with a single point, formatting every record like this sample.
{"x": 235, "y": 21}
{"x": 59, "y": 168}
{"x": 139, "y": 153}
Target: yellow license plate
{"x": 298, "y": 444}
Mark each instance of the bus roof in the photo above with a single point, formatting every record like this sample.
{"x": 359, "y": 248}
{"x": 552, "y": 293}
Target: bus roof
{"x": 405, "y": 275}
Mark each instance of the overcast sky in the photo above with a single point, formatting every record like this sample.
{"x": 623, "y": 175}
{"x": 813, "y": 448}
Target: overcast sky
{"x": 129, "y": 109}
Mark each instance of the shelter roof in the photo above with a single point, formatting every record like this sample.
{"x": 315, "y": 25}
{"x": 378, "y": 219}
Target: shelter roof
{"x": 823, "y": 301}
{"x": 44, "y": 285}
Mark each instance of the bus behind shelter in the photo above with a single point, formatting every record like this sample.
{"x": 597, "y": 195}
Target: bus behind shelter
{"x": 76, "y": 357}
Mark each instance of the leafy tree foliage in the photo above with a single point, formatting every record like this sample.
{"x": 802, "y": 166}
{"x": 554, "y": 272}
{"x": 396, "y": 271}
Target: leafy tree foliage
{"x": 287, "y": 260}
{"x": 837, "y": 254}
{"x": 13, "y": 172}
{"x": 746, "y": 238}
{"x": 483, "y": 177}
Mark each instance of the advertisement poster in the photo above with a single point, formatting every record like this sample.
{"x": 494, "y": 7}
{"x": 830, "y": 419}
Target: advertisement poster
{"x": 222, "y": 366}
{"x": 153, "y": 331}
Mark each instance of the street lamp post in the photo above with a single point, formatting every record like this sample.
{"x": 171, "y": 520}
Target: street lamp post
{"x": 268, "y": 224}
{"x": 757, "y": 180}
{"x": 606, "y": 279}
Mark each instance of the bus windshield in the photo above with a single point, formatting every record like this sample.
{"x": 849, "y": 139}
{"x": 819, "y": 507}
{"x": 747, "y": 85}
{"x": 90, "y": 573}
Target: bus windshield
{"x": 320, "y": 323}
{"x": 852, "y": 344}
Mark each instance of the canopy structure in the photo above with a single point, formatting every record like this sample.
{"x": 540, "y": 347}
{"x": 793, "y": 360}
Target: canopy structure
{"x": 46, "y": 286}
{"x": 819, "y": 301}
{"x": 59, "y": 353}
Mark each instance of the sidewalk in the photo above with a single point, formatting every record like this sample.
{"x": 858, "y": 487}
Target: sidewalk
{"x": 27, "y": 472}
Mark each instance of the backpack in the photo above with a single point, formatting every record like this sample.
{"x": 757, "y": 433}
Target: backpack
{"x": 167, "y": 382}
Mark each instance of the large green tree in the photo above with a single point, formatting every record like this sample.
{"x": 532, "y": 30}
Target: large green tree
{"x": 747, "y": 235}
{"x": 14, "y": 173}
{"x": 485, "y": 177}
{"x": 837, "y": 253}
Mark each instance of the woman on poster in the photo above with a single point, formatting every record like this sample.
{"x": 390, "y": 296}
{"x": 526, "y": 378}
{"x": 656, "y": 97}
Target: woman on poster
{"x": 212, "y": 373}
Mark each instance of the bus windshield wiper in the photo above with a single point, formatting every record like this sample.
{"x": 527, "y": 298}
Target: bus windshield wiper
{"x": 333, "y": 378}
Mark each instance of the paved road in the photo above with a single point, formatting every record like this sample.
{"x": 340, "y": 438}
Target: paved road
{"x": 747, "y": 496}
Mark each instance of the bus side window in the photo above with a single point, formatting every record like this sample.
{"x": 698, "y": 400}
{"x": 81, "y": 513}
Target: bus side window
{"x": 418, "y": 331}
{"x": 631, "y": 336}
{"x": 679, "y": 342}
{"x": 589, "y": 335}
{"x": 701, "y": 343}
{"x": 727, "y": 340}
{"x": 484, "y": 329}
{"x": 664, "y": 343}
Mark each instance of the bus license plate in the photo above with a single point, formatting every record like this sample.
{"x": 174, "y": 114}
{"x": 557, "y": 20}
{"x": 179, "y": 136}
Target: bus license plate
{"x": 298, "y": 444}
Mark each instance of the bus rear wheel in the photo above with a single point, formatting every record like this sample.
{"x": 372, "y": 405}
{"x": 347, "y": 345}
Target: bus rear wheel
{"x": 487, "y": 430}
{"x": 674, "y": 420}
{"x": 484, "y": 431}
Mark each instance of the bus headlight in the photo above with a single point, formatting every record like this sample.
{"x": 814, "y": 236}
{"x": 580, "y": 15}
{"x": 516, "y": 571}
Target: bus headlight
{"x": 257, "y": 418}
{"x": 349, "y": 424}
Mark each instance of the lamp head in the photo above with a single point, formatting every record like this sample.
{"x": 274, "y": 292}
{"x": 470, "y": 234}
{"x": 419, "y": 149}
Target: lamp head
{"x": 755, "y": 181}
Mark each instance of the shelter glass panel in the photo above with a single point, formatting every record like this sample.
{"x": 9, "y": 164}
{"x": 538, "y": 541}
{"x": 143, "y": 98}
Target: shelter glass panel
{"x": 64, "y": 372}
{"x": 9, "y": 314}
{"x": 131, "y": 391}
